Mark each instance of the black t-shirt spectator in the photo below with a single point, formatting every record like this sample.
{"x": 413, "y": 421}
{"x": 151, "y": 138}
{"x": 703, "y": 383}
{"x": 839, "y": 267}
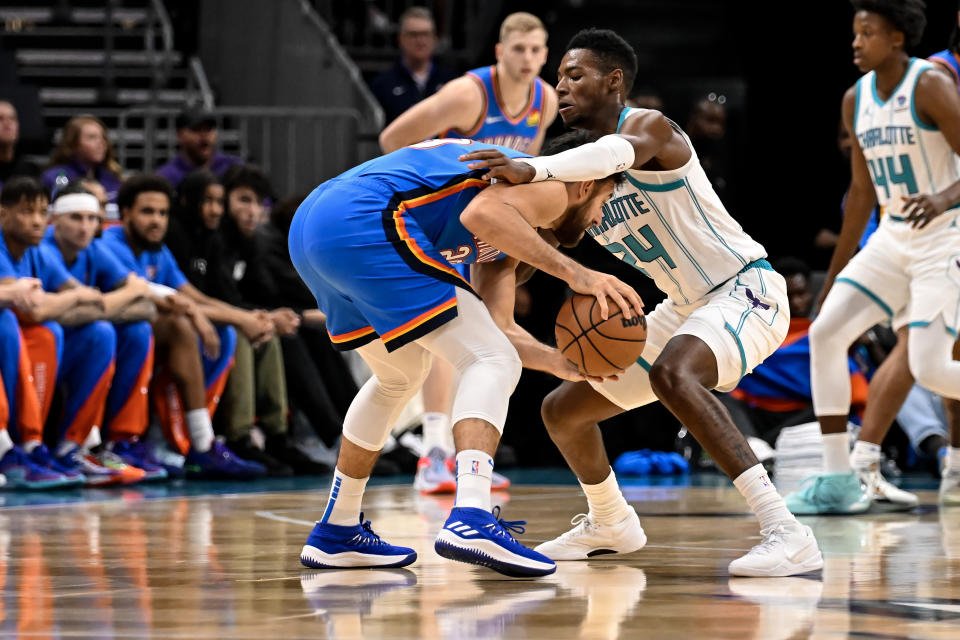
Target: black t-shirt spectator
{"x": 397, "y": 91}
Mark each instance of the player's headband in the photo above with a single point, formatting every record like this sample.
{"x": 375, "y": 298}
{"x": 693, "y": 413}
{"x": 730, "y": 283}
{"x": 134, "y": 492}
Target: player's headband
{"x": 75, "y": 202}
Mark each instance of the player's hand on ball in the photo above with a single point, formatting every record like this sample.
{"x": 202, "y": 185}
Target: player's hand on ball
{"x": 603, "y": 285}
{"x": 501, "y": 167}
{"x": 922, "y": 209}
{"x": 567, "y": 370}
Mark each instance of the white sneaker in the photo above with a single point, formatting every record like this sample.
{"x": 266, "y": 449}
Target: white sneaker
{"x": 950, "y": 487}
{"x": 787, "y": 549}
{"x": 588, "y": 539}
{"x": 883, "y": 492}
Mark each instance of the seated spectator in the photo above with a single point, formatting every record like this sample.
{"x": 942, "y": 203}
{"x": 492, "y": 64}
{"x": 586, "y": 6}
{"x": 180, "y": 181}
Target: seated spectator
{"x": 197, "y": 141}
{"x": 12, "y": 164}
{"x": 65, "y": 344}
{"x": 193, "y": 356}
{"x": 128, "y": 307}
{"x": 777, "y": 393}
{"x": 220, "y": 257}
{"x": 318, "y": 381}
{"x": 84, "y": 152}
{"x": 416, "y": 75}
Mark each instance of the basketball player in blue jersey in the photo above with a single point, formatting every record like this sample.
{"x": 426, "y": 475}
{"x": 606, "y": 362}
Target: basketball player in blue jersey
{"x": 377, "y": 246}
{"x": 904, "y": 116}
{"x": 506, "y": 104}
{"x": 726, "y": 309}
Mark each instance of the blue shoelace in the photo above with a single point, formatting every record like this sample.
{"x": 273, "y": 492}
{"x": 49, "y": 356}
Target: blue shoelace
{"x": 506, "y": 526}
{"x": 367, "y": 536}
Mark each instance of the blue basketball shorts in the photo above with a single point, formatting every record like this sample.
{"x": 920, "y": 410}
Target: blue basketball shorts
{"x": 372, "y": 269}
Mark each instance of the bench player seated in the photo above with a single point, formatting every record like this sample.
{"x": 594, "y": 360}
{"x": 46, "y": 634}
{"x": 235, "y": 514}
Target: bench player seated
{"x": 377, "y": 246}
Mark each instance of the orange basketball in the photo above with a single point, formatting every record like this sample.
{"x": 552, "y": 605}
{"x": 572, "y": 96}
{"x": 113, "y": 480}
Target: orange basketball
{"x": 599, "y": 347}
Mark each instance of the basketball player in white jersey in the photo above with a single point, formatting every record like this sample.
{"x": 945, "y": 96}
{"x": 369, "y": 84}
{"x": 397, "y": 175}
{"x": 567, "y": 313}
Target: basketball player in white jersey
{"x": 726, "y": 310}
{"x": 904, "y": 117}
{"x": 506, "y": 104}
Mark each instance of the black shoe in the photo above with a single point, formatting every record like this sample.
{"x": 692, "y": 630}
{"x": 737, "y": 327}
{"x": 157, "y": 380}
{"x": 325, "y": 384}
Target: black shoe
{"x": 246, "y": 449}
{"x": 283, "y": 449}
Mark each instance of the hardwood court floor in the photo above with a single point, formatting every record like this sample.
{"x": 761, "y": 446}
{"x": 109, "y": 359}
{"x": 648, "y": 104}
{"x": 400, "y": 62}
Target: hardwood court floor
{"x": 226, "y": 566}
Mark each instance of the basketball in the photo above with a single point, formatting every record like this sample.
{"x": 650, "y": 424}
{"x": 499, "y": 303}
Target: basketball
{"x": 599, "y": 347}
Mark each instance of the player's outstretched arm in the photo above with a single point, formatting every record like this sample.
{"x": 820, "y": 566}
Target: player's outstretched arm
{"x": 506, "y": 217}
{"x": 496, "y": 282}
{"x": 861, "y": 200}
{"x": 457, "y": 105}
{"x": 643, "y": 137}
{"x": 937, "y": 103}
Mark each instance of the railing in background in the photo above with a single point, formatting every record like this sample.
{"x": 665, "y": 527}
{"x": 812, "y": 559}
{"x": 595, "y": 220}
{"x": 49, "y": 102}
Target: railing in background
{"x": 298, "y": 147}
{"x": 198, "y": 82}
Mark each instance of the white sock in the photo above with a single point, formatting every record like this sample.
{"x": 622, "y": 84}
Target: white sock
{"x": 762, "y": 497}
{"x": 953, "y": 458}
{"x": 436, "y": 426}
{"x": 94, "y": 438}
{"x": 836, "y": 453}
{"x": 5, "y": 442}
{"x": 605, "y": 501}
{"x": 30, "y": 445}
{"x": 64, "y": 448}
{"x": 201, "y": 430}
{"x": 864, "y": 455}
{"x": 343, "y": 505}
{"x": 474, "y": 469}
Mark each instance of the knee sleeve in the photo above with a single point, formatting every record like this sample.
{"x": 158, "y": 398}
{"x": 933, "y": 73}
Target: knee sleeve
{"x": 831, "y": 334}
{"x": 488, "y": 363}
{"x": 397, "y": 377}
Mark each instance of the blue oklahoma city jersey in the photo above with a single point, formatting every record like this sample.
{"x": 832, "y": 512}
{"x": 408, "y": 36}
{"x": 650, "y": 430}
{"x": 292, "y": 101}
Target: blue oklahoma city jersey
{"x": 156, "y": 266}
{"x": 36, "y": 262}
{"x": 380, "y": 245}
{"x": 497, "y": 127}
{"x": 432, "y": 186}
{"x": 948, "y": 60}
{"x": 95, "y": 266}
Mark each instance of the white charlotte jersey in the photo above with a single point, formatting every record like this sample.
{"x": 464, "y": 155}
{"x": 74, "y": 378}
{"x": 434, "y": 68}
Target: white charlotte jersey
{"x": 672, "y": 226}
{"x": 905, "y": 155}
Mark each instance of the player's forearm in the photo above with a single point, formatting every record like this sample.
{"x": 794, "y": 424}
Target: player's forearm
{"x": 856, "y": 214}
{"x": 503, "y": 227}
{"x": 220, "y": 312}
{"x": 951, "y": 195}
{"x": 533, "y": 353}
{"x": 592, "y": 161}
{"x": 82, "y": 313}
{"x": 138, "y": 310}
{"x": 52, "y": 307}
{"x": 117, "y": 299}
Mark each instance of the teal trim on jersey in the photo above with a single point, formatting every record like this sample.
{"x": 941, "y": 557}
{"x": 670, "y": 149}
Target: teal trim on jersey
{"x": 856, "y": 104}
{"x": 696, "y": 202}
{"x": 656, "y": 188}
{"x": 870, "y": 294}
{"x": 643, "y": 363}
{"x": 873, "y": 85}
{"x": 743, "y": 355}
{"x": 676, "y": 240}
{"x": 913, "y": 103}
{"x": 756, "y": 264}
{"x": 950, "y": 330}
{"x": 623, "y": 116}
{"x": 896, "y": 218}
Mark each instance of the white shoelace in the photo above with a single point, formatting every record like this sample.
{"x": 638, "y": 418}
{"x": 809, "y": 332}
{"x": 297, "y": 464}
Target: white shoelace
{"x": 581, "y": 523}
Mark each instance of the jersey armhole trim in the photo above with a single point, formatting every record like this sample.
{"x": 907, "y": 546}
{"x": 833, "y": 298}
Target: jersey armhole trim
{"x": 856, "y": 105}
{"x": 483, "y": 111}
{"x": 913, "y": 100}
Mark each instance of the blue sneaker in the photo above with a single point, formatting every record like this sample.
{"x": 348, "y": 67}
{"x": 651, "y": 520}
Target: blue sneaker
{"x": 829, "y": 493}
{"x": 220, "y": 462}
{"x": 23, "y": 473}
{"x": 480, "y": 537}
{"x": 334, "y": 546}
{"x": 138, "y": 454}
{"x": 42, "y": 457}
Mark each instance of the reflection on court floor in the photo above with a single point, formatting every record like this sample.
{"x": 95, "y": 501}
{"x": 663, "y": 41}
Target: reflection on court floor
{"x": 222, "y": 564}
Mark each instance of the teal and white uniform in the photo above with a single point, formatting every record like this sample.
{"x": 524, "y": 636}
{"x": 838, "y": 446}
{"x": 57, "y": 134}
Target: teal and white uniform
{"x": 672, "y": 226}
{"x": 912, "y": 274}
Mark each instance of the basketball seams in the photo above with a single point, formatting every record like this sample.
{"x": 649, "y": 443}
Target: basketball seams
{"x": 594, "y": 327}
{"x": 587, "y": 324}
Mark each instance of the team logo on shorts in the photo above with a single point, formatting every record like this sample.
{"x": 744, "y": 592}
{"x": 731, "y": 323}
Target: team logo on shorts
{"x": 755, "y": 302}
